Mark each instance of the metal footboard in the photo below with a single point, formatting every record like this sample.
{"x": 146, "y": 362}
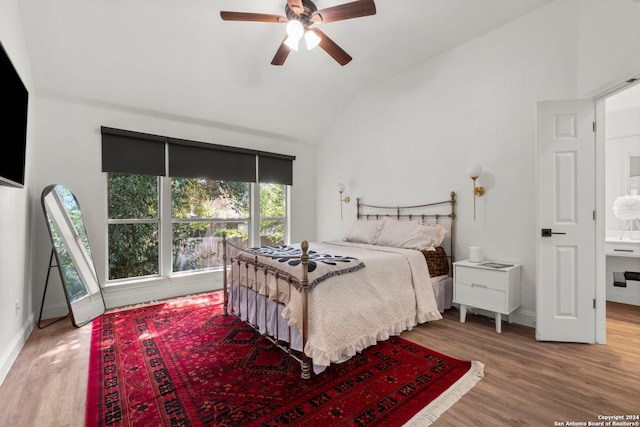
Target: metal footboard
{"x": 261, "y": 274}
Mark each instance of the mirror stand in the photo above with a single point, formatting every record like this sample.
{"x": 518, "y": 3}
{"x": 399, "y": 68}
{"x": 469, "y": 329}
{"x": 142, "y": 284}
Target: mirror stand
{"x": 70, "y": 246}
{"x": 44, "y": 295}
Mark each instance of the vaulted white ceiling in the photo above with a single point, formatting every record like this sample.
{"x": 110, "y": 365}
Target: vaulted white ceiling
{"x": 178, "y": 57}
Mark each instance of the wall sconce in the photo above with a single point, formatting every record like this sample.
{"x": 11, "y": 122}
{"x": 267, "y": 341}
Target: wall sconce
{"x": 345, "y": 200}
{"x": 474, "y": 172}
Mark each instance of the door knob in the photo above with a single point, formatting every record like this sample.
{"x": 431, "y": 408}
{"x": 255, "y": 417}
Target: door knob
{"x": 547, "y": 232}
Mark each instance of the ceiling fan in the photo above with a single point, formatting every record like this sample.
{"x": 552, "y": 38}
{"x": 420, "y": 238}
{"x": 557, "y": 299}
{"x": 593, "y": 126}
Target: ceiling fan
{"x": 300, "y": 16}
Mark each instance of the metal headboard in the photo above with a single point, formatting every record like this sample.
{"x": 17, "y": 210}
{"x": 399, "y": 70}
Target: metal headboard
{"x": 428, "y": 211}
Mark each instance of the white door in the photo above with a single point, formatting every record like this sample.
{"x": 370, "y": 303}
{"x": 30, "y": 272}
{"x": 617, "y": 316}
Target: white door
{"x": 565, "y": 267}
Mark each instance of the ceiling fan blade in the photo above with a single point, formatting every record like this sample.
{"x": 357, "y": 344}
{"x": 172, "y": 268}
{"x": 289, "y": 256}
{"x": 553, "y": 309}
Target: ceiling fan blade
{"x": 296, "y": 6}
{"x": 355, "y": 9}
{"x": 281, "y": 54}
{"x": 329, "y": 46}
{"x": 252, "y": 17}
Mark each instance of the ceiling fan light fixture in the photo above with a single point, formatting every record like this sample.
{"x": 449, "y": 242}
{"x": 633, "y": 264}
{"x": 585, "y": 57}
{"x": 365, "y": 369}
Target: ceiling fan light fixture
{"x": 292, "y": 43}
{"x": 312, "y": 39}
{"x": 295, "y": 30}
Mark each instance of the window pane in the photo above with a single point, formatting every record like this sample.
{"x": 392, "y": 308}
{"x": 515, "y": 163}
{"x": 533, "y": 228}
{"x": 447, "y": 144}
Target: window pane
{"x": 272, "y": 214}
{"x": 132, "y": 196}
{"x": 133, "y": 250}
{"x": 272, "y": 232}
{"x": 199, "y": 209}
{"x": 272, "y": 201}
{"x": 198, "y": 245}
{"x": 207, "y": 198}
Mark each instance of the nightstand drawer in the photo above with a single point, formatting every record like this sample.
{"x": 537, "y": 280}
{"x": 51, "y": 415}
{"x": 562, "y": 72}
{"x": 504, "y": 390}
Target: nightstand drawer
{"x": 481, "y": 296}
{"x": 484, "y": 278}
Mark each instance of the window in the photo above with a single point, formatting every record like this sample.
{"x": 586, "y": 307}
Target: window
{"x": 201, "y": 210}
{"x": 133, "y": 225}
{"x": 272, "y": 214}
{"x": 170, "y": 200}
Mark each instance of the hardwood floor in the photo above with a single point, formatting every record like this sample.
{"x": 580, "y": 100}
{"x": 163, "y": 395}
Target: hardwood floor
{"x": 531, "y": 383}
{"x": 526, "y": 383}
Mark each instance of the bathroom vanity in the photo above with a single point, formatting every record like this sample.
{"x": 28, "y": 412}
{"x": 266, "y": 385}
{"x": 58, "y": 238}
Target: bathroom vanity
{"x": 623, "y": 247}
{"x": 623, "y": 265}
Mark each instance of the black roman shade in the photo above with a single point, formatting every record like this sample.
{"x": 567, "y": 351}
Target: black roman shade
{"x": 132, "y": 152}
{"x": 140, "y": 153}
{"x": 200, "y": 161}
{"x": 275, "y": 170}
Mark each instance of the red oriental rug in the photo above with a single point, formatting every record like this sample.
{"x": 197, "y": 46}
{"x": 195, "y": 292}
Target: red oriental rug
{"x": 182, "y": 363}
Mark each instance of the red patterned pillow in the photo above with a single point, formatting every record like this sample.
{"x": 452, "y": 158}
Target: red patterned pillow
{"x": 437, "y": 261}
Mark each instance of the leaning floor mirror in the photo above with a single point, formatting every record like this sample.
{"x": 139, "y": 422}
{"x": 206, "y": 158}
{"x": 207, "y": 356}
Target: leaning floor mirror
{"x": 70, "y": 247}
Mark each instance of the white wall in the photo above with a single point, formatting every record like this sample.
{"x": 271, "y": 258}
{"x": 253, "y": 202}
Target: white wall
{"x": 607, "y": 43}
{"x": 410, "y": 139}
{"x": 15, "y": 325}
{"x": 67, "y": 150}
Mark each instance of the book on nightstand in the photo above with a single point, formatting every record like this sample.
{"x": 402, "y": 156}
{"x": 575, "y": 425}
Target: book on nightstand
{"x": 496, "y": 265}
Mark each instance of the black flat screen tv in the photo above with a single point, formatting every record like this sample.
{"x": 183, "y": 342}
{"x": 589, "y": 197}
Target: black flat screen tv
{"x": 14, "y": 100}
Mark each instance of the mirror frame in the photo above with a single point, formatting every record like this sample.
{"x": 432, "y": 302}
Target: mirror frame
{"x": 633, "y": 181}
{"x": 74, "y": 261}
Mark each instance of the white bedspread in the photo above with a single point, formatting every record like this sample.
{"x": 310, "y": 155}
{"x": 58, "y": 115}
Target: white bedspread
{"x": 351, "y": 312}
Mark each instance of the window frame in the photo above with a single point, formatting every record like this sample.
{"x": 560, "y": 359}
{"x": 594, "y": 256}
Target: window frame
{"x": 165, "y": 223}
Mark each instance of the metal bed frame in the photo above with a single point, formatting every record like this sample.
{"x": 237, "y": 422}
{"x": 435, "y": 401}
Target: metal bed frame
{"x": 251, "y": 263}
{"x": 404, "y": 212}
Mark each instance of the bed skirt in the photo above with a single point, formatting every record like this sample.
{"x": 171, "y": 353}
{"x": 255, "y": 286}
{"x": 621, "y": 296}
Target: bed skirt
{"x": 250, "y": 307}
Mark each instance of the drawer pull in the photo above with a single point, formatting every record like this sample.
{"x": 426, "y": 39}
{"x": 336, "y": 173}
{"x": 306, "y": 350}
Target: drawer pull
{"x": 475, "y": 285}
{"x": 623, "y": 250}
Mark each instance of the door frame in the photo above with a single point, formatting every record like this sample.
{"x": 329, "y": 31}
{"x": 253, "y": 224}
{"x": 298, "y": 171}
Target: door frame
{"x": 599, "y": 188}
{"x": 600, "y": 261}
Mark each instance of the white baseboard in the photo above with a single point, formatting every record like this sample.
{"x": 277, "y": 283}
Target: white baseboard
{"x": 519, "y": 317}
{"x": 11, "y": 351}
{"x": 623, "y": 298}
{"x": 524, "y": 317}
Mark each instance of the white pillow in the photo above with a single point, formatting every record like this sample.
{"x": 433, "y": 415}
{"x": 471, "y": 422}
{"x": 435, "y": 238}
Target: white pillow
{"x": 438, "y": 232}
{"x": 410, "y": 235}
{"x": 364, "y": 231}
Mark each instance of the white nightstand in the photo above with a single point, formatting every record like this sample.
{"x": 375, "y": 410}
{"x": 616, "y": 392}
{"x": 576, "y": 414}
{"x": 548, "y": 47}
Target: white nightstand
{"x": 476, "y": 284}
